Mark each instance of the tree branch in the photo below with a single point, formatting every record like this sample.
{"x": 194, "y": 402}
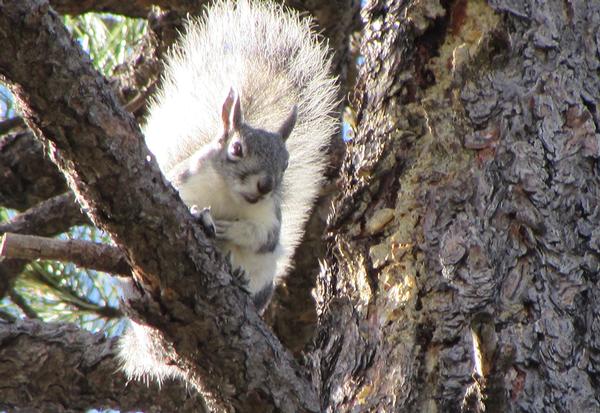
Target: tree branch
{"x": 8, "y": 274}
{"x": 22, "y": 304}
{"x": 221, "y": 344}
{"x": 93, "y": 255}
{"x": 9, "y": 124}
{"x": 48, "y": 218}
{"x": 293, "y": 307}
{"x": 26, "y": 175}
{"x": 135, "y": 8}
{"x": 59, "y": 368}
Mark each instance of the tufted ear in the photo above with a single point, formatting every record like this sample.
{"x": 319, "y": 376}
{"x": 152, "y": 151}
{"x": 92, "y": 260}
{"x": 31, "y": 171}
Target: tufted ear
{"x": 288, "y": 125}
{"x": 231, "y": 113}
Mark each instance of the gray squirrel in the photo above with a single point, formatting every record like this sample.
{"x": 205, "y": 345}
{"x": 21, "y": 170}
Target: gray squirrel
{"x": 240, "y": 127}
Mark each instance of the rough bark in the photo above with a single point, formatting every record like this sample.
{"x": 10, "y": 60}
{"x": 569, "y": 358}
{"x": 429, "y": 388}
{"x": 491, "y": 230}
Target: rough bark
{"x": 26, "y": 175}
{"x": 133, "y": 82}
{"x": 47, "y": 218}
{"x": 464, "y": 258}
{"x": 7, "y": 125}
{"x": 221, "y": 345}
{"x": 463, "y": 262}
{"x": 60, "y": 368}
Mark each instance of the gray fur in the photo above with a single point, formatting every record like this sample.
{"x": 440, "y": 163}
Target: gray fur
{"x": 262, "y": 297}
{"x": 275, "y": 62}
{"x": 273, "y": 237}
{"x": 272, "y": 241}
{"x": 265, "y": 154}
{"x": 255, "y": 73}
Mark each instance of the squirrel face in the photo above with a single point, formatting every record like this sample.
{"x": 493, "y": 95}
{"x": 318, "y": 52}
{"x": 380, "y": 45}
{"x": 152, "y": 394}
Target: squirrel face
{"x": 252, "y": 161}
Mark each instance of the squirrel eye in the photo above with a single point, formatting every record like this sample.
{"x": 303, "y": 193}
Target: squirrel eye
{"x": 235, "y": 151}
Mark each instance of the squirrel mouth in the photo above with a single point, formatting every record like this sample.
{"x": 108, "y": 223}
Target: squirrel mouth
{"x": 251, "y": 198}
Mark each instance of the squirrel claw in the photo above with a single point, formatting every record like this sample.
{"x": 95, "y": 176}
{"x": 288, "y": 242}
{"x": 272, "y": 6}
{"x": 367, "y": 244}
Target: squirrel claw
{"x": 204, "y": 218}
{"x": 222, "y": 228}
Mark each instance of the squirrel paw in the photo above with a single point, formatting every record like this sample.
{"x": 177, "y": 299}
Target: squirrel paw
{"x": 204, "y": 218}
{"x": 241, "y": 276}
{"x": 223, "y": 228}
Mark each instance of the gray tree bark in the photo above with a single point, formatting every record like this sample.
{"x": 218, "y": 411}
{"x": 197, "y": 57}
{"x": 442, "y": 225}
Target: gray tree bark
{"x": 462, "y": 264}
{"x": 463, "y": 271}
{"x": 49, "y": 367}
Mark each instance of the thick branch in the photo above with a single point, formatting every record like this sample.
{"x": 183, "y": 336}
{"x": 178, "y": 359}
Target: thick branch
{"x": 222, "y": 345}
{"x": 48, "y": 218}
{"x": 8, "y": 124}
{"x": 60, "y": 368}
{"x": 26, "y": 175}
{"x": 93, "y": 255}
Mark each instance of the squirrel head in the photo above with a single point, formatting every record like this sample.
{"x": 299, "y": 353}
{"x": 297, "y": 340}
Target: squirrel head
{"x": 252, "y": 160}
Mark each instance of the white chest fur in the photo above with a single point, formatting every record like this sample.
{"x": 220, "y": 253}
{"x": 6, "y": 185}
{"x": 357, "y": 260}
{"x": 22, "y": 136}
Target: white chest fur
{"x": 206, "y": 188}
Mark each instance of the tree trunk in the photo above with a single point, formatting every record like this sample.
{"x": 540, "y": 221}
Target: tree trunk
{"x": 463, "y": 267}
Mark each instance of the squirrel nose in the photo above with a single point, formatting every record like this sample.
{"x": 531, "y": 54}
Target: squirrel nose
{"x": 265, "y": 185}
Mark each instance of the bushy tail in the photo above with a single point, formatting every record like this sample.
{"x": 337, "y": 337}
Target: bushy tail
{"x": 274, "y": 60}
{"x": 142, "y": 357}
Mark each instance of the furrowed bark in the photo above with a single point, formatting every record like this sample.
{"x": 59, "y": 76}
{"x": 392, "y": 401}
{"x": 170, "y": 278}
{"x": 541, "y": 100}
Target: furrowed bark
{"x": 27, "y": 176}
{"x": 61, "y": 368}
{"x": 47, "y": 218}
{"x": 464, "y": 253}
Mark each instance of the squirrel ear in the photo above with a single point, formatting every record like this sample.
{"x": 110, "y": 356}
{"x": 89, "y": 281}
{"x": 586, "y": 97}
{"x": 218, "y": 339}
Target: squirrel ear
{"x": 288, "y": 125}
{"x": 231, "y": 114}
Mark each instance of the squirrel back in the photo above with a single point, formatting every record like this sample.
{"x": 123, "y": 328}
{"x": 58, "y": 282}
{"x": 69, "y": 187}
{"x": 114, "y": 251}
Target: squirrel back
{"x": 275, "y": 62}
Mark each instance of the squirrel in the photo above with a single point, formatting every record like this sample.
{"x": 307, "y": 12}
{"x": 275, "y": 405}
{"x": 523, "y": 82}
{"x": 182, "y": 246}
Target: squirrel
{"x": 240, "y": 127}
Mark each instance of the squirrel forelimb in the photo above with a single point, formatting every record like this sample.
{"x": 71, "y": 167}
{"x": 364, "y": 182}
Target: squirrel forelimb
{"x": 240, "y": 126}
